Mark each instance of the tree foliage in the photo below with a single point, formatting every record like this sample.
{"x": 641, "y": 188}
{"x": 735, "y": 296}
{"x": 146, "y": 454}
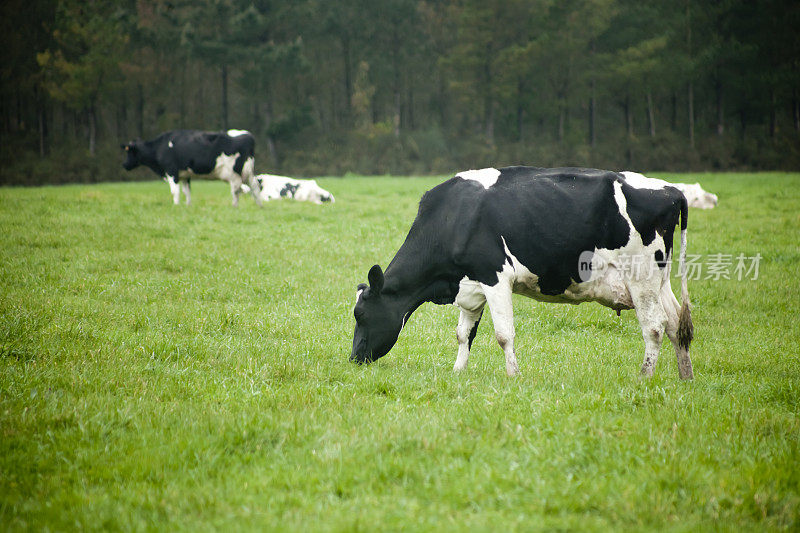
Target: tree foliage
{"x": 410, "y": 85}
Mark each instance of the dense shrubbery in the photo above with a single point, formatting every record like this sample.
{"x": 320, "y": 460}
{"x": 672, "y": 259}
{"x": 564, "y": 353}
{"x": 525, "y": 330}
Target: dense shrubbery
{"x": 403, "y": 86}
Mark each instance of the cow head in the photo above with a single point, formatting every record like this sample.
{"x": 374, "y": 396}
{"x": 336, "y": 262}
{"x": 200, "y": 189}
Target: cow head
{"x": 132, "y": 150}
{"x": 378, "y": 320}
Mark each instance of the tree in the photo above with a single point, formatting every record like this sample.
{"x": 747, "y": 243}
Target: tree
{"x": 84, "y": 61}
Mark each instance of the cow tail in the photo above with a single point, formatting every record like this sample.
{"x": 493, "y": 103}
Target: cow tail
{"x": 685, "y": 326}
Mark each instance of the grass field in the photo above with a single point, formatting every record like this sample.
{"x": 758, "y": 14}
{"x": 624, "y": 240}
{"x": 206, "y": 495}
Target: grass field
{"x": 168, "y": 368}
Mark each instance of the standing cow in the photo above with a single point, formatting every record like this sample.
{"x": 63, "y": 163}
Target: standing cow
{"x": 181, "y": 154}
{"x": 563, "y": 235}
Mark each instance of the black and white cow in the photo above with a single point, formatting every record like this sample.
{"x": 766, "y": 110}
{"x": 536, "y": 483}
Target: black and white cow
{"x": 179, "y": 155}
{"x": 277, "y": 187}
{"x": 564, "y": 235}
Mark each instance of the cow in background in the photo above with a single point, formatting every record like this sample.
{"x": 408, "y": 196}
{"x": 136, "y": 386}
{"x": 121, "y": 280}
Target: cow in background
{"x": 179, "y": 155}
{"x": 276, "y": 187}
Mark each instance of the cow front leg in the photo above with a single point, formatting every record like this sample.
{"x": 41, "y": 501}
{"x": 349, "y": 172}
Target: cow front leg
{"x": 468, "y": 321}
{"x": 173, "y": 188}
{"x": 187, "y": 191}
{"x": 500, "y": 306}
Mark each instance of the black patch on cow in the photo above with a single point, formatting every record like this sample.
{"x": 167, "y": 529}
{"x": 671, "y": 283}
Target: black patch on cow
{"x": 653, "y": 211}
{"x": 474, "y": 330}
{"x": 289, "y": 189}
{"x": 660, "y": 259}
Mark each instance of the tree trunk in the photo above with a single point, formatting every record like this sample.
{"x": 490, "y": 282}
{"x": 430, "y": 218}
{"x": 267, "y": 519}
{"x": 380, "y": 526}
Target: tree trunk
{"x": 225, "y": 97}
{"x": 488, "y": 104}
{"x": 690, "y": 94}
{"x": 41, "y": 119}
{"x": 520, "y": 109}
{"x": 348, "y": 80}
{"x": 592, "y": 114}
{"x": 411, "y": 119}
{"x": 651, "y": 116}
{"x": 140, "y": 110}
{"x": 273, "y": 149}
{"x": 92, "y": 117}
{"x": 796, "y": 111}
{"x": 690, "y": 90}
{"x": 720, "y": 108}
{"x": 122, "y": 120}
{"x": 674, "y": 112}
{"x": 182, "y": 97}
{"x": 773, "y": 122}
{"x": 628, "y": 131}
{"x": 42, "y": 130}
{"x": 628, "y": 117}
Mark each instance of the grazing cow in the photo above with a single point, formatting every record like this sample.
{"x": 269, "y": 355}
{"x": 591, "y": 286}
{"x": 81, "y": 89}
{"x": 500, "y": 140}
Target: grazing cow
{"x": 181, "y": 154}
{"x": 564, "y": 235}
{"x": 695, "y": 195}
{"x": 276, "y": 187}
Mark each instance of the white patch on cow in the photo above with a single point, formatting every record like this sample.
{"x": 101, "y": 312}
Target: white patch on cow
{"x": 170, "y": 144}
{"x": 358, "y": 294}
{"x": 174, "y": 188}
{"x": 485, "y": 176}
{"x": 223, "y": 169}
{"x": 640, "y": 181}
{"x": 236, "y": 133}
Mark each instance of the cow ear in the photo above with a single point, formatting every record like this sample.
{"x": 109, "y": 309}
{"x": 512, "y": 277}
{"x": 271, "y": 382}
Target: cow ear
{"x": 375, "y": 278}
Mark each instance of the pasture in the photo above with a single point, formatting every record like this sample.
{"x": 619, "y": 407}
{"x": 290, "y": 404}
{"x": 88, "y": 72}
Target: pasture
{"x": 168, "y": 368}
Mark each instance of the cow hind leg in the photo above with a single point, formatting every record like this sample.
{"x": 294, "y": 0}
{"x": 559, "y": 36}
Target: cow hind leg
{"x": 652, "y": 320}
{"x": 468, "y": 321}
{"x": 249, "y": 175}
{"x": 187, "y": 192}
{"x": 236, "y": 188}
{"x": 672, "y": 309}
{"x": 500, "y": 306}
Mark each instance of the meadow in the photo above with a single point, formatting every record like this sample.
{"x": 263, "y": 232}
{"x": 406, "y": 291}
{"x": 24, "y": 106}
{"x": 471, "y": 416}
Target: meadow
{"x": 186, "y": 368}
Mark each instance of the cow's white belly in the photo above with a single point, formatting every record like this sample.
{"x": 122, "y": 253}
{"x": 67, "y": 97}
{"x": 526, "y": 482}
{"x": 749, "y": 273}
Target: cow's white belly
{"x": 223, "y": 169}
{"x": 605, "y": 285}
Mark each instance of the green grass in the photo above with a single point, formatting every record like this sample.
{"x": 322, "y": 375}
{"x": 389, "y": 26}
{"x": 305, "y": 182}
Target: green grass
{"x": 169, "y": 368}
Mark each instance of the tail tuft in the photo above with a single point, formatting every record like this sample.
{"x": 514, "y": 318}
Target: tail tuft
{"x": 685, "y": 326}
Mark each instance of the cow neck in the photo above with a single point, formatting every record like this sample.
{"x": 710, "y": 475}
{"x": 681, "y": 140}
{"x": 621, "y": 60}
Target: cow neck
{"x": 147, "y": 155}
{"x": 409, "y": 287}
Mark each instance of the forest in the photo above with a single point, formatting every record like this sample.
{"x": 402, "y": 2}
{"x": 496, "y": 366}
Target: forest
{"x": 330, "y": 87}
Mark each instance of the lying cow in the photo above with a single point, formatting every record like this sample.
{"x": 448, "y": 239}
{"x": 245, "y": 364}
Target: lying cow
{"x": 276, "y": 187}
{"x": 695, "y": 195}
{"x": 182, "y": 154}
{"x": 563, "y": 235}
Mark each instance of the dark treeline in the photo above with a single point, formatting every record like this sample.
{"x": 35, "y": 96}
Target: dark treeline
{"x": 403, "y": 86}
